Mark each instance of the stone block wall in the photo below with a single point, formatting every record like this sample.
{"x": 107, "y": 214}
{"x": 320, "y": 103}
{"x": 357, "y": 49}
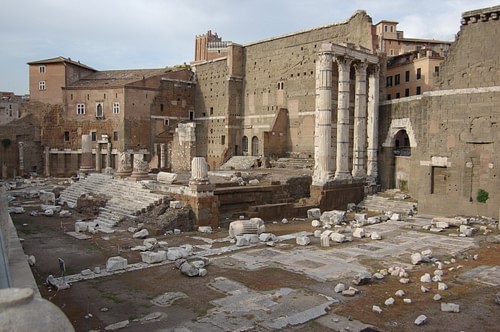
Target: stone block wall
{"x": 455, "y": 127}
{"x": 276, "y": 73}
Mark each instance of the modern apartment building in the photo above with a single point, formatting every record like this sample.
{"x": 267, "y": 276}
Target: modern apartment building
{"x": 392, "y": 42}
{"x": 411, "y": 73}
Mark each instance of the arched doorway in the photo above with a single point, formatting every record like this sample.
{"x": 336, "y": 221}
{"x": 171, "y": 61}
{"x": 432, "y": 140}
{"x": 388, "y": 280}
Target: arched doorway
{"x": 402, "y": 144}
{"x": 402, "y": 152}
{"x": 255, "y": 146}
{"x": 244, "y": 145}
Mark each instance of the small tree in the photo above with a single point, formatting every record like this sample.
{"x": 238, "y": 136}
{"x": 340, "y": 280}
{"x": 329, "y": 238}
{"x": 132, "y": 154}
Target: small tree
{"x": 482, "y": 196}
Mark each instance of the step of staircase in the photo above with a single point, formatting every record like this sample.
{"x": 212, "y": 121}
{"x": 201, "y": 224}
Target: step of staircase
{"x": 127, "y": 198}
{"x": 240, "y": 162}
{"x": 379, "y": 203}
{"x": 297, "y": 163}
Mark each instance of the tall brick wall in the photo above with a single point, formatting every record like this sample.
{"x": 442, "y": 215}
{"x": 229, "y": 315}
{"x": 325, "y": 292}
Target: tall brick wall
{"x": 276, "y": 73}
{"x": 455, "y": 128}
{"x": 473, "y": 58}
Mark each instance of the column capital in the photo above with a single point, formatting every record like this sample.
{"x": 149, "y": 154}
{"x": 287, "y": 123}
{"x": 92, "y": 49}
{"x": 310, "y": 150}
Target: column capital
{"x": 325, "y": 59}
{"x": 360, "y": 66}
{"x": 344, "y": 62}
{"x": 374, "y": 69}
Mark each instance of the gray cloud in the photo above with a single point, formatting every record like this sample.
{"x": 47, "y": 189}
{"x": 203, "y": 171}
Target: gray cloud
{"x": 121, "y": 34}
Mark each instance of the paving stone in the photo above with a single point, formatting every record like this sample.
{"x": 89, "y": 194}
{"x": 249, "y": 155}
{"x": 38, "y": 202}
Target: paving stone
{"x": 450, "y": 307}
{"x": 389, "y": 301}
{"x": 339, "y": 288}
{"x": 314, "y": 213}
{"x": 421, "y": 320}
{"x": 143, "y": 233}
{"x": 116, "y": 263}
{"x": 303, "y": 240}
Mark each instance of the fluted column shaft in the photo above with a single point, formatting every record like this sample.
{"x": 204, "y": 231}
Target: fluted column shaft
{"x": 359, "y": 144}
{"x": 323, "y": 120}
{"x": 199, "y": 171}
{"x": 21, "y": 158}
{"x": 98, "y": 158}
{"x": 342, "y": 169}
{"x": 162, "y": 155}
{"x": 372, "y": 124}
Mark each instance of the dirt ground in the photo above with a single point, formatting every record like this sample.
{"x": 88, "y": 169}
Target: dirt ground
{"x": 94, "y": 304}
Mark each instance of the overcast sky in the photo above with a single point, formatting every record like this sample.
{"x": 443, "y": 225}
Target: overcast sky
{"x": 124, "y": 34}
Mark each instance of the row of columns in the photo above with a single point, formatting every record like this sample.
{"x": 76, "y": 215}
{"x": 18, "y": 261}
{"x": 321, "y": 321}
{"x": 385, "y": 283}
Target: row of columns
{"x": 365, "y": 130}
{"x": 124, "y": 168}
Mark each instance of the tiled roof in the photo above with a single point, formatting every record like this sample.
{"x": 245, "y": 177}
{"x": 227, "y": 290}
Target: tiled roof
{"x": 60, "y": 59}
{"x": 118, "y": 77}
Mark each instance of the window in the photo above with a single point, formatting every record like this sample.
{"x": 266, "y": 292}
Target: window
{"x": 389, "y": 96}
{"x": 41, "y": 69}
{"x": 115, "y": 136}
{"x": 407, "y": 92}
{"x": 385, "y": 28}
{"x": 211, "y": 110}
{"x": 41, "y": 85}
{"x": 80, "y": 109}
{"x": 388, "y": 81}
{"x": 93, "y": 134}
{"x": 161, "y": 107}
{"x": 116, "y": 108}
{"x": 398, "y": 95}
{"x": 223, "y": 140}
{"x": 418, "y": 90}
{"x": 99, "y": 110}
{"x": 397, "y": 79}
{"x": 419, "y": 73}
{"x": 166, "y": 122}
{"x": 392, "y": 28}
{"x": 391, "y": 51}
{"x": 66, "y": 136}
{"x": 407, "y": 76}
{"x": 191, "y": 115}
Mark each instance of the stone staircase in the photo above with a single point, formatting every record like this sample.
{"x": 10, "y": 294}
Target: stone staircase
{"x": 240, "y": 162}
{"x": 384, "y": 202}
{"x": 297, "y": 163}
{"x": 126, "y": 198}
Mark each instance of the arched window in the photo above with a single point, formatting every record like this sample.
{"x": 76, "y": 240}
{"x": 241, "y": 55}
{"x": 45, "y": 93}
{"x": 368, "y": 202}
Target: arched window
{"x": 255, "y": 146}
{"x": 244, "y": 145}
{"x": 402, "y": 144}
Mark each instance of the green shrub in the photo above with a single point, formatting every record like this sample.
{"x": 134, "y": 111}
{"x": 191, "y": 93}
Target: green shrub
{"x": 482, "y": 196}
{"x": 6, "y": 142}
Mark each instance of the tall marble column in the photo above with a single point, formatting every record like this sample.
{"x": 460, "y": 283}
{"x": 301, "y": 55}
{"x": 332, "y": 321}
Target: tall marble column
{"x": 20, "y": 146}
{"x": 47, "y": 161}
{"x": 162, "y": 155}
{"x": 86, "y": 161}
{"x": 98, "y": 158}
{"x": 372, "y": 124}
{"x": 323, "y": 120}
{"x": 108, "y": 169}
{"x": 359, "y": 144}
{"x": 342, "y": 169}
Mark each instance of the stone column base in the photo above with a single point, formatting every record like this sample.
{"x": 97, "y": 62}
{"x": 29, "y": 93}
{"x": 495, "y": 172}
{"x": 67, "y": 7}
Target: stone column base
{"x": 139, "y": 176}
